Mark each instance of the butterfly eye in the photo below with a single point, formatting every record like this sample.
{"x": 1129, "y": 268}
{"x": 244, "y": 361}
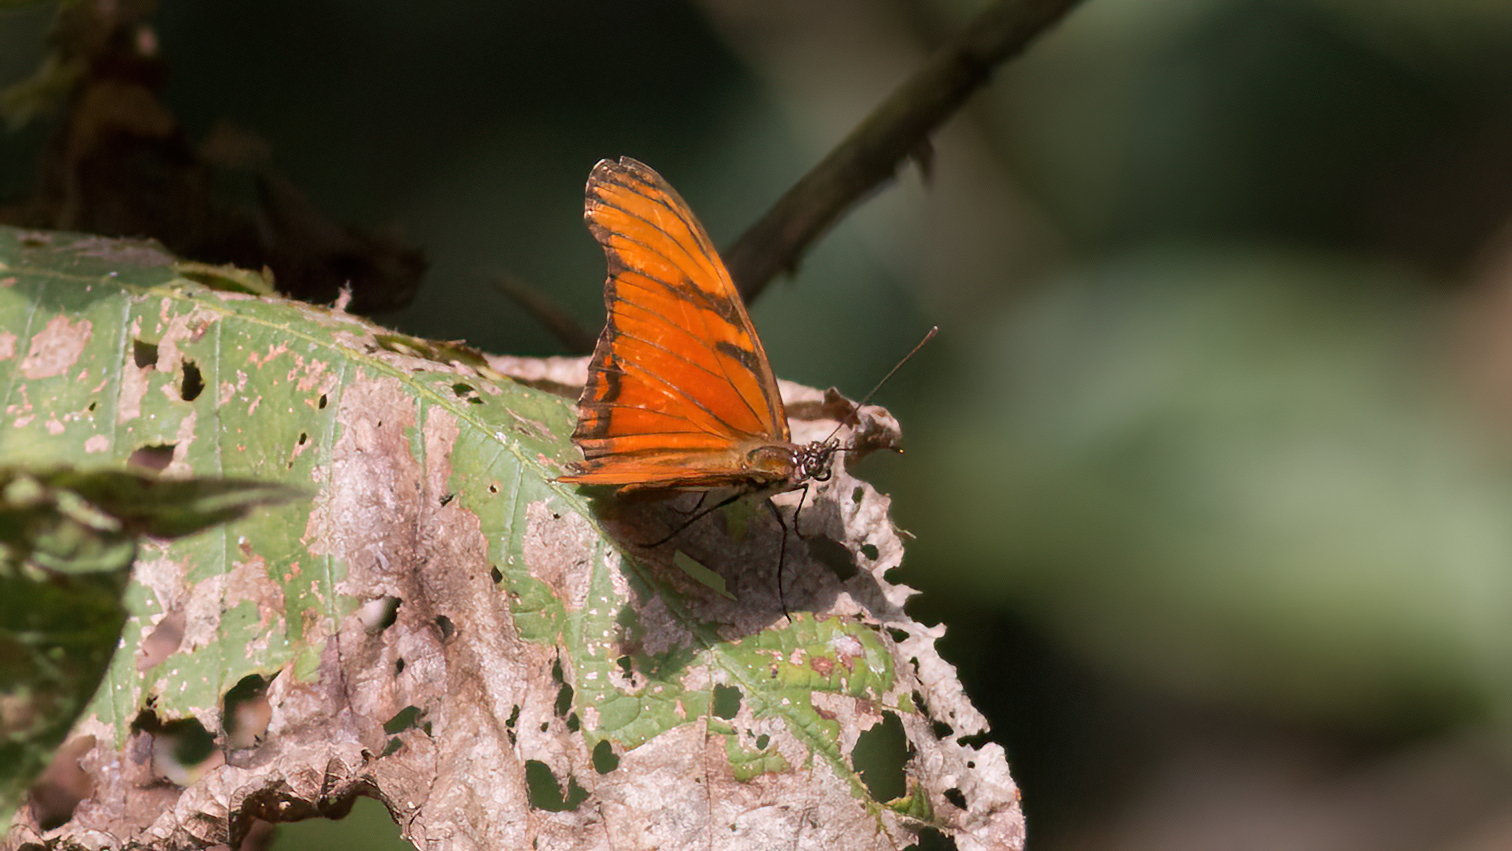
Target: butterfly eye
{"x": 814, "y": 460}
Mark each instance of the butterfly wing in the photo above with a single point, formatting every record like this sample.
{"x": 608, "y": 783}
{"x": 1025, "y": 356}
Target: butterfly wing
{"x": 679, "y": 390}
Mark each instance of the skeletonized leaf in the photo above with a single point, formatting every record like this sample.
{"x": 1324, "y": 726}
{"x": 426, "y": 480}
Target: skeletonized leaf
{"x": 496, "y": 657}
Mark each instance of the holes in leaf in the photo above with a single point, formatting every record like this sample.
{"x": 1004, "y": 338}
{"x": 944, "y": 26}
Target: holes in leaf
{"x": 179, "y": 748}
{"x": 870, "y": 552}
{"x": 879, "y": 756}
{"x": 897, "y": 635}
{"x": 144, "y": 354}
{"x": 510, "y": 722}
{"x": 941, "y": 729}
{"x": 954, "y": 796}
{"x": 448, "y": 629}
{"x": 918, "y": 699}
{"x": 762, "y": 741}
{"x": 497, "y": 574}
{"x": 726, "y": 701}
{"x": 857, "y": 495}
{"x": 408, "y": 718}
{"x": 162, "y": 641}
{"x": 493, "y": 487}
{"x": 192, "y": 383}
{"x": 63, "y": 785}
{"x": 975, "y": 742}
{"x": 379, "y": 613}
{"x": 931, "y": 839}
{"x": 322, "y": 403}
{"x": 247, "y": 712}
{"x": 399, "y": 666}
{"x": 92, "y": 406}
{"x": 249, "y": 716}
{"x": 298, "y": 448}
{"x": 155, "y": 457}
{"x": 605, "y": 759}
{"x": 361, "y": 816}
{"x": 447, "y": 498}
{"x": 546, "y": 792}
{"x": 563, "y": 703}
{"x": 190, "y": 742}
{"x": 625, "y": 665}
{"x": 468, "y": 392}
{"x": 833, "y": 555}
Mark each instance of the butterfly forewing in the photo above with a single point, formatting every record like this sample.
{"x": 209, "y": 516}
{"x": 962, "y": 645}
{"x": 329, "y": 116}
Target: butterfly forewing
{"x": 679, "y": 389}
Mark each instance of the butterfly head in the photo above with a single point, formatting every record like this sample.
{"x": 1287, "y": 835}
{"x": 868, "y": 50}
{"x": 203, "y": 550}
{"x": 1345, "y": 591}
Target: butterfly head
{"x": 787, "y": 466}
{"x": 815, "y": 461}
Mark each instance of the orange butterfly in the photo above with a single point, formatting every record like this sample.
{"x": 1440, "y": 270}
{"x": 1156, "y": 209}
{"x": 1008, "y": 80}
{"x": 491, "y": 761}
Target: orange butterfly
{"x": 679, "y": 393}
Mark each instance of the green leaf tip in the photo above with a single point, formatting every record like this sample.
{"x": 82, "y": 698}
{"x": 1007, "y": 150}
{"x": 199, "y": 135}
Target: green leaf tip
{"x": 228, "y": 278}
{"x": 704, "y": 576}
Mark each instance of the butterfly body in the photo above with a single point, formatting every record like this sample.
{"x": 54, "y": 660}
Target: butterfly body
{"x": 680, "y": 395}
{"x": 752, "y": 467}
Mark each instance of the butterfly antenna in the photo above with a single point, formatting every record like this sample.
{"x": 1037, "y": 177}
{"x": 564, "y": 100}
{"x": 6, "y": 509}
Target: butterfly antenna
{"x": 899, "y": 365}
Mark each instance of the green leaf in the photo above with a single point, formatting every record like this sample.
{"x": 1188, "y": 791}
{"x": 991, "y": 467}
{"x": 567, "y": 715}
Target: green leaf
{"x": 440, "y": 571}
{"x": 704, "y": 576}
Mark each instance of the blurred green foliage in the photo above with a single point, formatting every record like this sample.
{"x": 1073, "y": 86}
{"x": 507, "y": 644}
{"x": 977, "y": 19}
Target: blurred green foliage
{"x": 1241, "y": 474}
{"x": 67, "y": 539}
{"x": 366, "y": 828}
{"x": 1228, "y": 446}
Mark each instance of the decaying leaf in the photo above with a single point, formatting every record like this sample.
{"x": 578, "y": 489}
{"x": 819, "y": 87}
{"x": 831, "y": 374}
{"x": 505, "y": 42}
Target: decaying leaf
{"x": 498, "y": 658}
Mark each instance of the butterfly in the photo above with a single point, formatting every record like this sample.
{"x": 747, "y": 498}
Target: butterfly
{"x": 680, "y": 395}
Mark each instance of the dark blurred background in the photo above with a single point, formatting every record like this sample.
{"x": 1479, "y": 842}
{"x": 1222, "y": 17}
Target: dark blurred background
{"x": 1209, "y": 468}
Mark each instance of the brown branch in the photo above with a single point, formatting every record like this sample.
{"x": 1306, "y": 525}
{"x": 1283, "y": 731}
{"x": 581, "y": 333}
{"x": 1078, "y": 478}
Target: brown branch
{"x": 898, "y": 128}
{"x": 552, "y": 317}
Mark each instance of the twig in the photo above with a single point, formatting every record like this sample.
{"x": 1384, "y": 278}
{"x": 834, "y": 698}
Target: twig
{"x": 547, "y": 312}
{"x": 898, "y": 128}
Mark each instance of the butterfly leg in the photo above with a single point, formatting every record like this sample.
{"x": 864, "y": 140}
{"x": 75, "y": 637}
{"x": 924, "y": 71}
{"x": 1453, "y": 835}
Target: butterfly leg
{"x": 698, "y": 514}
{"x": 702, "y": 496}
{"x": 797, "y": 530}
{"x": 802, "y": 497}
{"x": 782, "y": 551}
